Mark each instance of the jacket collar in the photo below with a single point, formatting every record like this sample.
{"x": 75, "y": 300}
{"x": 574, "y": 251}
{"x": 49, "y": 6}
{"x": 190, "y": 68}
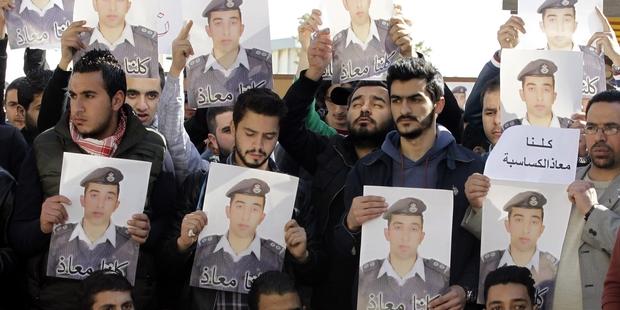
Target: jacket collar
{"x": 345, "y": 149}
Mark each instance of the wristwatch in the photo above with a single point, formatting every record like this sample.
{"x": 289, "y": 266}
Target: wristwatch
{"x": 615, "y": 69}
{"x": 470, "y": 295}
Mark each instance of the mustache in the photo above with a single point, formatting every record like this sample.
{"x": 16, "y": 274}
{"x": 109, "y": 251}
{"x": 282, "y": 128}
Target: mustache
{"x": 601, "y": 144}
{"x": 260, "y": 151}
{"x": 365, "y": 114}
{"x": 407, "y": 117}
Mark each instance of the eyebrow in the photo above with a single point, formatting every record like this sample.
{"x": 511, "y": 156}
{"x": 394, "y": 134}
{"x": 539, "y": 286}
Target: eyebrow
{"x": 245, "y": 203}
{"x": 411, "y": 97}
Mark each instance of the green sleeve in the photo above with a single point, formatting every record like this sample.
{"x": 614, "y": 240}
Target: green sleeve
{"x": 314, "y": 121}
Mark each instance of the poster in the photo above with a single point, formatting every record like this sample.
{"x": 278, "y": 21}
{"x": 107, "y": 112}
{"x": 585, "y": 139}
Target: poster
{"x": 247, "y": 210}
{"x": 104, "y": 193}
{"x": 41, "y": 25}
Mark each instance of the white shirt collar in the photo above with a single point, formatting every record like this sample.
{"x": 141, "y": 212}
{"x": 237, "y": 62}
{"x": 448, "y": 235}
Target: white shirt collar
{"x": 127, "y": 34}
{"x": 254, "y": 247}
{"x": 555, "y": 122}
{"x": 27, "y": 4}
{"x": 575, "y": 47}
{"x": 352, "y": 38}
{"x": 241, "y": 60}
{"x": 418, "y": 268}
{"x": 532, "y": 264}
{"x": 109, "y": 234}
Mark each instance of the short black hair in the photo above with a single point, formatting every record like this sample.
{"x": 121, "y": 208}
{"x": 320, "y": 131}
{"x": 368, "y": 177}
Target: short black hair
{"x": 25, "y": 96}
{"x": 511, "y": 274}
{"x": 270, "y": 282}
{"x": 102, "y": 281}
{"x": 321, "y": 92}
{"x": 262, "y": 101}
{"x": 604, "y": 96}
{"x": 492, "y": 85}
{"x": 111, "y": 71}
{"x": 408, "y": 68}
{"x": 366, "y": 83}
{"x": 212, "y": 113}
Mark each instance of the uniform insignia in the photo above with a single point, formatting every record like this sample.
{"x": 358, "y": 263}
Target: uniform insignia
{"x": 372, "y": 264}
{"x": 565, "y": 2}
{"x": 110, "y": 177}
{"x": 455, "y": 190}
{"x": 533, "y": 201}
{"x": 230, "y": 3}
{"x": 413, "y": 208}
{"x": 435, "y": 264}
{"x": 257, "y": 190}
{"x": 544, "y": 69}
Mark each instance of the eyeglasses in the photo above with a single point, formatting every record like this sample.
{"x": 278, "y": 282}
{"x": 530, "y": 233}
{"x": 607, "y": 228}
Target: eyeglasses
{"x": 608, "y": 130}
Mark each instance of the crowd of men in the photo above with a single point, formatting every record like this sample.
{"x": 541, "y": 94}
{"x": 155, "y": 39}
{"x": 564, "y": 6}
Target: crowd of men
{"x": 404, "y": 131}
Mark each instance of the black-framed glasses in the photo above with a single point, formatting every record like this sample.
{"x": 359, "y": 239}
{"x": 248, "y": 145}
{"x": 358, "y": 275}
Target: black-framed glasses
{"x": 608, "y": 129}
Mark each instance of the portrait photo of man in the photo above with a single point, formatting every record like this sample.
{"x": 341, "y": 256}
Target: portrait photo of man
{"x": 404, "y": 276}
{"x": 231, "y": 261}
{"x": 229, "y": 69}
{"x": 538, "y": 92}
{"x": 134, "y": 46}
{"x": 34, "y": 23}
{"x": 95, "y": 242}
{"x": 525, "y": 226}
{"x": 364, "y": 50}
{"x": 460, "y": 93}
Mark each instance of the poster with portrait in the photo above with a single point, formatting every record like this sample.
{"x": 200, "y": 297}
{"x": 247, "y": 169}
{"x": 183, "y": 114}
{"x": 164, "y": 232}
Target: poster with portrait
{"x": 105, "y": 193}
{"x": 38, "y": 23}
{"x": 540, "y": 88}
{"x": 461, "y": 90}
{"x": 128, "y": 28}
{"x": 362, "y": 47}
{"x": 247, "y": 211}
{"x": 232, "y": 50}
{"x": 405, "y": 253}
{"x": 524, "y": 224}
{"x": 566, "y": 25}
{"x": 169, "y": 23}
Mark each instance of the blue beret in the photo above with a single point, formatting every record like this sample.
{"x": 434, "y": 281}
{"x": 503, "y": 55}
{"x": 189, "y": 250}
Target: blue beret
{"x": 526, "y": 200}
{"x": 105, "y": 175}
{"x": 221, "y": 5}
{"x": 252, "y": 187}
{"x": 406, "y": 206}
{"x": 538, "y": 67}
{"x": 560, "y": 4}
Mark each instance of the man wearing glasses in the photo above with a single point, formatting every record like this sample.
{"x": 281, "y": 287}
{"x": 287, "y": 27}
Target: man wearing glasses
{"x": 595, "y": 218}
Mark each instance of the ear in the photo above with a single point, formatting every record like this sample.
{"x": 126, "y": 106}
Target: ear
{"x": 386, "y": 233}
{"x": 242, "y": 29}
{"x": 82, "y": 200}
{"x": 507, "y": 225}
{"x": 262, "y": 218}
{"x": 522, "y": 95}
{"x": 118, "y": 100}
{"x": 542, "y": 230}
{"x": 129, "y": 6}
{"x": 211, "y": 142}
{"x": 118, "y": 203}
{"x": 228, "y": 211}
{"x": 95, "y": 6}
{"x": 422, "y": 235}
{"x": 555, "y": 97}
{"x": 208, "y": 30}
{"x": 439, "y": 105}
{"x": 541, "y": 24}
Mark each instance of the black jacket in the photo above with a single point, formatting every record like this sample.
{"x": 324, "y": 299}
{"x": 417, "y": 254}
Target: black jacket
{"x": 453, "y": 171}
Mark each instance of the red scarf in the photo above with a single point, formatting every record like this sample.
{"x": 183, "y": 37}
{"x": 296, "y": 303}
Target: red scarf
{"x": 105, "y": 147}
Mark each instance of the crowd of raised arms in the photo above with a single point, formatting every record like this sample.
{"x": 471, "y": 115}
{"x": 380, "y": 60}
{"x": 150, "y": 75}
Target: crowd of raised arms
{"x": 405, "y": 129}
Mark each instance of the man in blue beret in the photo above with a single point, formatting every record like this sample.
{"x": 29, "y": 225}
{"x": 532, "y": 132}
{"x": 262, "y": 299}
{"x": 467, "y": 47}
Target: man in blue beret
{"x": 78, "y": 249}
{"x": 230, "y": 69}
{"x": 230, "y": 262}
{"x": 460, "y": 93}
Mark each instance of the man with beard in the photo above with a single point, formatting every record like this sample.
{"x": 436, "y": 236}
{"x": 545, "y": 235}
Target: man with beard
{"x": 419, "y": 154}
{"x": 329, "y": 160}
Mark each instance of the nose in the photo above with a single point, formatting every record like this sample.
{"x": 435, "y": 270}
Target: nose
{"x": 405, "y": 109}
{"x": 498, "y": 119}
{"x": 141, "y": 105}
{"x": 246, "y": 214}
{"x": 600, "y": 136}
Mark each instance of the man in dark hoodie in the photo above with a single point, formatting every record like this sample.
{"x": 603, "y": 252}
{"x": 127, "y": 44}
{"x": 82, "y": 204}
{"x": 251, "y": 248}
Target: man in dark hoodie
{"x": 419, "y": 154}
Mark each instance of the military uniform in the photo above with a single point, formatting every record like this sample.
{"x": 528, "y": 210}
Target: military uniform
{"x": 543, "y": 265}
{"x": 353, "y": 62}
{"x": 137, "y": 52}
{"x": 209, "y": 86}
{"x": 556, "y": 122}
{"x": 28, "y": 26}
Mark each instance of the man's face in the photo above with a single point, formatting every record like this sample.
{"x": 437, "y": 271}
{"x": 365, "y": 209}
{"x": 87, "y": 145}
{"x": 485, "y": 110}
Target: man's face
{"x": 225, "y": 29}
{"x": 539, "y": 94}
{"x": 491, "y": 117}
{"x": 113, "y": 300}
{"x": 15, "y": 113}
{"x": 245, "y": 213}
{"x": 112, "y": 12}
{"x": 508, "y": 296}
{"x": 223, "y": 140}
{"x": 99, "y": 202}
{"x": 358, "y": 10}
{"x": 287, "y": 301}
{"x": 413, "y": 110}
{"x": 143, "y": 97}
{"x": 559, "y": 25}
{"x": 405, "y": 234}
{"x": 336, "y": 114}
{"x": 604, "y": 150}
{"x": 255, "y": 138}
{"x": 369, "y": 111}
{"x": 32, "y": 115}
{"x": 92, "y": 109}
{"x": 525, "y": 226}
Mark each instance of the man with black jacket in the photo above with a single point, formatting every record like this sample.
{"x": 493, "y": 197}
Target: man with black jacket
{"x": 419, "y": 154}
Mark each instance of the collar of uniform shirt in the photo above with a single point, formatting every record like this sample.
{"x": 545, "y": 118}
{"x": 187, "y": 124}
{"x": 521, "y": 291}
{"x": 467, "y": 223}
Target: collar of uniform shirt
{"x": 225, "y": 245}
{"x": 418, "y": 268}
{"x": 532, "y": 264}
{"x": 27, "y": 4}
{"x": 109, "y": 234}
{"x": 575, "y": 48}
{"x": 241, "y": 60}
{"x": 127, "y": 34}
{"x": 352, "y": 38}
{"x": 555, "y": 122}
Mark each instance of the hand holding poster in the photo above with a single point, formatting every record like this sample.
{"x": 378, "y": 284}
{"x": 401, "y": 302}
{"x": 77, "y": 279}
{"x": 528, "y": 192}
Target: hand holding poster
{"x": 233, "y": 47}
{"x": 547, "y": 155}
{"x": 33, "y": 23}
{"x": 244, "y": 236}
{"x": 105, "y": 194}
{"x": 524, "y": 224}
{"x": 416, "y": 233}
